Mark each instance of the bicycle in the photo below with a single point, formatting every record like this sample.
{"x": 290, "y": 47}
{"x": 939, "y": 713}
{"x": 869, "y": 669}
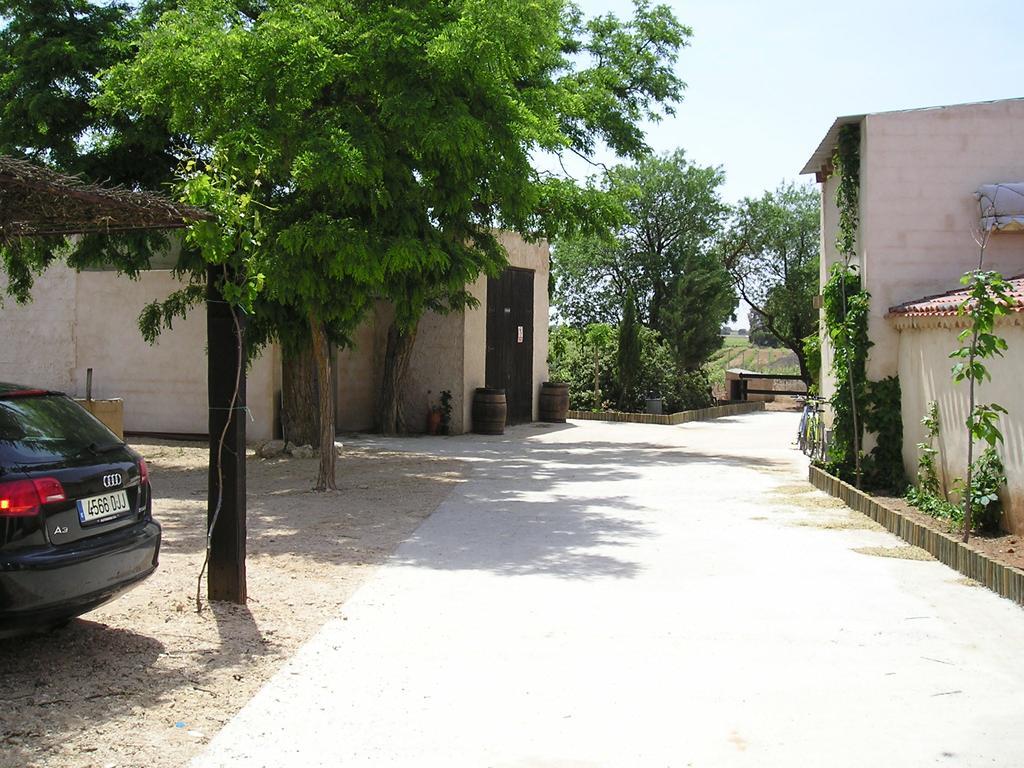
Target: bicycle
{"x": 811, "y": 432}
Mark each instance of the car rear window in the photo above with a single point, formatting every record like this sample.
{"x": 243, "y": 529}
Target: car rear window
{"x": 41, "y": 429}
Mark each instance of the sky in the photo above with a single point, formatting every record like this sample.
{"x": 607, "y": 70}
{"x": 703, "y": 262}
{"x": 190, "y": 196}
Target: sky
{"x": 766, "y": 79}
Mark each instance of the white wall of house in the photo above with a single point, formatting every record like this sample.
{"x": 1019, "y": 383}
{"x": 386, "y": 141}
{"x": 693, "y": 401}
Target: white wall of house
{"x": 924, "y": 370}
{"x": 358, "y": 375}
{"x": 78, "y": 321}
{"x": 87, "y": 320}
{"x": 919, "y": 172}
{"x": 918, "y": 213}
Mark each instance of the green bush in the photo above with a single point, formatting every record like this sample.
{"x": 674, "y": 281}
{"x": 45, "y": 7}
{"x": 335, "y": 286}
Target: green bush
{"x": 571, "y": 360}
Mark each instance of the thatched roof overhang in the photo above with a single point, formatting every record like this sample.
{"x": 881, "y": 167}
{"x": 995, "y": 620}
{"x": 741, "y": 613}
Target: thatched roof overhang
{"x": 36, "y": 201}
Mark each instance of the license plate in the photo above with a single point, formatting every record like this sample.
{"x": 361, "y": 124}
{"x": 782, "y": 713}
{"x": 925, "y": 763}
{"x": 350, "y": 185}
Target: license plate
{"x": 101, "y": 507}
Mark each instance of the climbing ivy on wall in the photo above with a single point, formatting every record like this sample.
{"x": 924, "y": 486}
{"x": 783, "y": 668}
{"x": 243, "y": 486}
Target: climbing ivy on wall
{"x": 846, "y": 163}
{"x": 883, "y": 469}
{"x": 846, "y": 314}
{"x": 846, "y": 322}
{"x": 857, "y": 404}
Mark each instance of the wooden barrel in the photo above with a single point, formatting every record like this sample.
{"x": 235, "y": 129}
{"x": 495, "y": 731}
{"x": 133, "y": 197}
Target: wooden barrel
{"x": 489, "y": 411}
{"x": 554, "y": 402}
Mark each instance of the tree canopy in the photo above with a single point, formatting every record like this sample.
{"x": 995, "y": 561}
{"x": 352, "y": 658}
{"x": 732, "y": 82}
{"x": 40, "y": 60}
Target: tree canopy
{"x": 771, "y": 251}
{"x": 51, "y": 54}
{"x": 664, "y": 253}
{"x": 396, "y": 137}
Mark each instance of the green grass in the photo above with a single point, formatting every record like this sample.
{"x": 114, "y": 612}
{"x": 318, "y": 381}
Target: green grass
{"x": 735, "y": 341}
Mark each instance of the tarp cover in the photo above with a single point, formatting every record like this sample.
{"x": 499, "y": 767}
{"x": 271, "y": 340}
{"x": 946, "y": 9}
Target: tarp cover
{"x": 1002, "y": 206}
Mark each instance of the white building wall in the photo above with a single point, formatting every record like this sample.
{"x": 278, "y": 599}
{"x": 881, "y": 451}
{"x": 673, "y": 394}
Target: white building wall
{"x": 925, "y": 375}
{"x": 919, "y": 172}
{"x": 37, "y": 340}
{"x": 78, "y": 321}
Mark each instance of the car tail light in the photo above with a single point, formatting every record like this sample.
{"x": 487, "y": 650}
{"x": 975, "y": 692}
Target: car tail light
{"x": 143, "y": 472}
{"x": 23, "y": 498}
{"x": 49, "y": 489}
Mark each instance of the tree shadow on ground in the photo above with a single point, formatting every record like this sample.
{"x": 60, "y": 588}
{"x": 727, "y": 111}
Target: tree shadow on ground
{"x": 571, "y": 511}
{"x": 78, "y": 678}
{"x": 553, "y": 524}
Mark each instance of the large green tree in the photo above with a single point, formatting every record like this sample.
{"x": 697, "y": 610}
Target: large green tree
{"x": 397, "y": 136}
{"x": 664, "y": 253}
{"x": 771, "y": 252}
{"x": 51, "y": 52}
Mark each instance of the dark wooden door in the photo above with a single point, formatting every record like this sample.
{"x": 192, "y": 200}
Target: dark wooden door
{"x": 510, "y": 340}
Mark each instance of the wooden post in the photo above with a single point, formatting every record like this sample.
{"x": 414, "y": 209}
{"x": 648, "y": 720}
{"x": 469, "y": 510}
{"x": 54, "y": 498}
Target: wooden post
{"x": 225, "y": 346}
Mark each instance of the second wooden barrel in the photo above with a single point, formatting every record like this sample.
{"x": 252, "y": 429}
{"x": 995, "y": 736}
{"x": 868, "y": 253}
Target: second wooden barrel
{"x": 489, "y": 411}
{"x": 554, "y": 402}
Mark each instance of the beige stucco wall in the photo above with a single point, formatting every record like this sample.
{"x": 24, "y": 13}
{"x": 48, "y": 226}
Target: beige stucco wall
{"x": 474, "y": 356}
{"x": 37, "y": 340}
{"x": 87, "y": 320}
{"x": 436, "y": 364}
{"x": 924, "y": 370}
{"x": 358, "y": 377}
{"x": 450, "y": 352}
{"x": 919, "y": 172}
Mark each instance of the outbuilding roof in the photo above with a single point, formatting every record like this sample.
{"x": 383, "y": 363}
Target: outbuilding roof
{"x": 822, "y": 156}
{"x": 946, "y": 304}
{"x": 38, "y": 201}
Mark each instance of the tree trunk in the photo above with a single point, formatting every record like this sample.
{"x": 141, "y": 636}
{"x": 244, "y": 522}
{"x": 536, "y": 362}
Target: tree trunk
{"x": 300, "y": 415}
{"x": 801, "y": 359}
{"x": 321, "y": 357}
{"x": 390, "y": 419}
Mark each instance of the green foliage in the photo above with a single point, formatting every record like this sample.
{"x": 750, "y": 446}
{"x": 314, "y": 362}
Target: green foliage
{"x": 927, "y": 493}
{"x": 397, "y": 137}
{"x": 446, "y": 411}
{"x": 571, "y": 360}
{"x": 232, "y": 240}
{"x": 987, "y": 477}
{"x": 771, "y": 251}
{"x": 846, "y": 322}
{"x": 846, "y": 161}
{"x": 812, "y": 354}
{"x": 988, "y": 297}
{"x": 883, "y": 467}
{"x": 51, "y": 52}
{"x": 927, "y": 474}
{"x": 629, "y": 353}
{"x": 700, "y": 300}
{"x": 857, "y": 404}
{"x": 661, "y": 251}
{"x": 759, "y": 333}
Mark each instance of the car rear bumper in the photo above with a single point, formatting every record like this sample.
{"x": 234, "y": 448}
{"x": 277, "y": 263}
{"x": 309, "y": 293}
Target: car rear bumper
{"x": 40, "y": 587}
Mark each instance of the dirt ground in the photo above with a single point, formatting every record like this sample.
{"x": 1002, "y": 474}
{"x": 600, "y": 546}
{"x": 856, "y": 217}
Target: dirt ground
{"x": 1006, "y": 548}
{"x": 145, "y": 680}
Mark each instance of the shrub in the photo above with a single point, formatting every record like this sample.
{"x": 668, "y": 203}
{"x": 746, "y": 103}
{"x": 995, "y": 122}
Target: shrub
{"x": 572, "y": 360}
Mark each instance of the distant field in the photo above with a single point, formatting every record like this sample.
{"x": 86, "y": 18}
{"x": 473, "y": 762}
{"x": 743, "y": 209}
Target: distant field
{"x": 737, "y": 352}
{"x": 736, "y": 341}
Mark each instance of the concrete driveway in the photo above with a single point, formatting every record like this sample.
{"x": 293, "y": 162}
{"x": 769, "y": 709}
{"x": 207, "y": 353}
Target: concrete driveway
{"x": 624, "y": 595}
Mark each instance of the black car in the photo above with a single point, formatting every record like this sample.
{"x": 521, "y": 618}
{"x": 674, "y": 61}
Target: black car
{"x": 76, "y": 524}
